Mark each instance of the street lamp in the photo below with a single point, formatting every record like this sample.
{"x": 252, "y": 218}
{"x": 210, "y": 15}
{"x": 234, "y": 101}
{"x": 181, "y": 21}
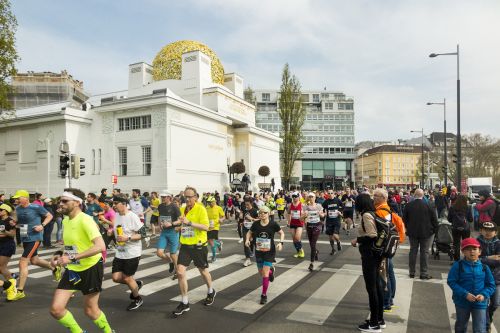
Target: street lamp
{"x": 459, "y": 138}
{"x": 422, "y": 162}
{"x": 445, "y": 139}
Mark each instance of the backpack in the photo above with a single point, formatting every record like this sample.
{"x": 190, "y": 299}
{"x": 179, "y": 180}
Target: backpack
{"x": 496, "y": 215}
{"x": 387, "y": 241}
{"x": 459, "y": 221}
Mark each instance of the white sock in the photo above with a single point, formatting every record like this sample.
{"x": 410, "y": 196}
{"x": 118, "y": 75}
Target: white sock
{"x": 210, "y": 290}
{"x": 185, "y": 300}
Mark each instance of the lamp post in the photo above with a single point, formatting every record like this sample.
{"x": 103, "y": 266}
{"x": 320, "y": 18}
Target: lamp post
{"x": 459, "y": 138}
{"x": 422, "y": 161}
{"x": 445, "y": 161}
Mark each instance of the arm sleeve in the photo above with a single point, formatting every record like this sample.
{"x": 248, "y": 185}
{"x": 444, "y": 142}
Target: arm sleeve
{"x": 453, "y": 281}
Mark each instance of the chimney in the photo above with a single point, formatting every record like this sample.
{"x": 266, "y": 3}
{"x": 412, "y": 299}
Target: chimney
{"x": 139, "y": 75}
{"x": 234, "y": 82}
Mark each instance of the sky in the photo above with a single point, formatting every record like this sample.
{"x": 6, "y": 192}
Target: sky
{"x": 374, "y": 51}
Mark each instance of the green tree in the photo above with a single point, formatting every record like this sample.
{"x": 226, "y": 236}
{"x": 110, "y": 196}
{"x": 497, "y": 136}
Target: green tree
{"x": 8, "y": 53}
{"x": 292, "y": 115}
{"x": 264, "y": 172}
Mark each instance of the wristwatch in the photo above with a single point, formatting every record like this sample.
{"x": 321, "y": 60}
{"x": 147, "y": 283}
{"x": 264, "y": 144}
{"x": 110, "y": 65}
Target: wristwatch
{"x": 129, "y": 238}
{"x": 72, "y": 257}
{"x": 190, "y": 223}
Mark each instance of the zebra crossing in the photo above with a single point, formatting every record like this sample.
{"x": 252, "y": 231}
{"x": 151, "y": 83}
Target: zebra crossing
{"x": 316, "y": 309}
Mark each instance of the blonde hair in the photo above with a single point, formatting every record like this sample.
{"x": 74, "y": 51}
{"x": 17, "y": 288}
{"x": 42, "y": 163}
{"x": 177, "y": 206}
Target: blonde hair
{"x": 381, "y": 192}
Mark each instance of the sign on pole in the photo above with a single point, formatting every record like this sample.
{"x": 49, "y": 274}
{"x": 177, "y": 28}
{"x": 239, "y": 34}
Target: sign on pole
{"x": 114, "y": 179}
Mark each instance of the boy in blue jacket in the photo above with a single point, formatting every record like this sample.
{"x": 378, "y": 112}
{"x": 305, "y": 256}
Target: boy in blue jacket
{"x": 490, "y": 255}
{"x": 472, "y": 284}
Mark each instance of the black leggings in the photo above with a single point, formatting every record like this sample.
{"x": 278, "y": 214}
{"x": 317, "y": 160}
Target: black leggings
{"x": 313, "y": 235}
{"x": 370, "y": 264}
{"x": 457, "y": 238}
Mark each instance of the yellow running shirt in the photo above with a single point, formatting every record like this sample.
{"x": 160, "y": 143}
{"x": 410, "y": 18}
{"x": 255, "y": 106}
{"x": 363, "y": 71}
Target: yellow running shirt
{"x": 154, "y": 206}
{"x": 190, "y": 235}
{"x": 214, "y": 215}
{"x": 280, "y": 204}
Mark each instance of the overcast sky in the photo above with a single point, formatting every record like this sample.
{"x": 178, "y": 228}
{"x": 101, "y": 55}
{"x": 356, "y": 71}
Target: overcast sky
{"x": 375, "y": 51}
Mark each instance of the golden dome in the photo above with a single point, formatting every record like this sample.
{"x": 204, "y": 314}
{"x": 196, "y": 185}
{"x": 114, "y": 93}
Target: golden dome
{"x": 167, "y": 63}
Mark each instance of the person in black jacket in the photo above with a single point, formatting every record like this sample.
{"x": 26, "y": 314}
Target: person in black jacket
{"x": 459, "y": 215}
{"x": 421, "y": 223}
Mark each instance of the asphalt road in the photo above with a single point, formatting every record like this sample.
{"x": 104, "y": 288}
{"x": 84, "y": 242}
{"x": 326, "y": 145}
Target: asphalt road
{"x": 332, "y": 297}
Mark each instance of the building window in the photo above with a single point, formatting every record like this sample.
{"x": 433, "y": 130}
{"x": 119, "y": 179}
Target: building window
{"x": 133, "y": 123}
{"x": 328, "y": 106}
{"x": 266, "y": 97}
{"x": 315, "y": 98}
{"x": 99, "y": 161}
{"x": 122, "y": 161}
{"x": 146, "y": 160}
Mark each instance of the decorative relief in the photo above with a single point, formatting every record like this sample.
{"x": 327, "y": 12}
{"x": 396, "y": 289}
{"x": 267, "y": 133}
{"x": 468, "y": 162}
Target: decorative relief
{"x": 107, "y": 124}
{"x": 159, "y": 118}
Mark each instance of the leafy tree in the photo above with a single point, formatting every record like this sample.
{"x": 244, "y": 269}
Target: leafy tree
{"x": 8, "y": 53}
{"x": 264, "y": 172}
{"x": 237, "y": 167}
{"x": 249, "y": 95}
{"x": 292, "y": 115}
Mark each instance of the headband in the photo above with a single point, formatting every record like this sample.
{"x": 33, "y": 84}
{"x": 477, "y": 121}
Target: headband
{"x": 71, "y": 196}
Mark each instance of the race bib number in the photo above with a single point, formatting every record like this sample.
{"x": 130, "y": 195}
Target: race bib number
{"x": 333, "y": 214}
{"x": 71, "y": 250}
{"x": 263, "y": 244}
{"x": 164, "y": 220}
{"x": 212, "y": 223}
{"x": 348, "y": 204}
{"x": 2, "y": 228}
{"x": 23, "y": 230}
{"x": 313, "y": 217}
{"x": 247, "y": 224}
{"x": 295, "y": 214}
{"x": 187, "y": 232}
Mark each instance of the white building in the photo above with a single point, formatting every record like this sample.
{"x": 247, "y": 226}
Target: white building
{"x": 156, "y": 135}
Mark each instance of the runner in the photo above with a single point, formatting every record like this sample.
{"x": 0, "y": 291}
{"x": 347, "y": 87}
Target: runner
{"x": 194, "y": 223}
{"x": 262, "y": 232}
{"x": 107, "y": 221}
{"x": 29, "y": 219}
{"x": 129, "y": 231}
{"x": 348, "y": 201}
{"x": 296, "y": 223}
{"x": 136, "y": 204}
{"x": 333, "y": 206}
{"x": 215, "y": 215}
{"x": 280, "y": 205}
{"x": 155, "y": 202}
{"x": 82, "y": 258}
{"x": 92, "y": 207}
{"x": 271, "y": 205}
{"x": 250, "y": 215}
{"x": 238, "y": 216}
{"x": 7, "y": 249}
{"x": 314, "y": 215}
{"x": 168, "y": 242}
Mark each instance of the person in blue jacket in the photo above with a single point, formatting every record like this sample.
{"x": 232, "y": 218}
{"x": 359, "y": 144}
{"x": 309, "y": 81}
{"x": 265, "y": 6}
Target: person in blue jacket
{"x": 490, "y": 255}
{"x": 472, "y": 284}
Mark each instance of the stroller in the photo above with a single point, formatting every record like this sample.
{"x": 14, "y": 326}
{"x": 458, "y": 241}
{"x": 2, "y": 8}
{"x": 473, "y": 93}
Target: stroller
{"x": 443, "y": 240}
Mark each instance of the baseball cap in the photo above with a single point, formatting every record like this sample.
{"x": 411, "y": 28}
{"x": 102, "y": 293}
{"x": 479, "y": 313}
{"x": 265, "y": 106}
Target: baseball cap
{"x": 166, "y": 193}
{"x": 47, "y": 200}
{"x": 6, "y": 208}
{"x": 21, "y": 193}
{"x": 311, "y": 194}
{"x": 295, "y": 194}
{"x": 210, "y": 199}
{"x": 489, "y": 225}
{"x": 469, "y": 242}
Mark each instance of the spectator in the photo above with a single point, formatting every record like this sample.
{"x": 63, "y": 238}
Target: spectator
{"x": 486, "y": 206}
{"x": 459, "y": 215}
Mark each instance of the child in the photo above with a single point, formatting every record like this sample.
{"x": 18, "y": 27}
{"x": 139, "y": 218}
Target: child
{"x": 472, "y": 284}
{"x": 490, "y": 255}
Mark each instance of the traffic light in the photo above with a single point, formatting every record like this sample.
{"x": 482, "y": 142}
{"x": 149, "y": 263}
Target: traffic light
{"x": 63, "y": 165}
{"x": 76, "y": 166}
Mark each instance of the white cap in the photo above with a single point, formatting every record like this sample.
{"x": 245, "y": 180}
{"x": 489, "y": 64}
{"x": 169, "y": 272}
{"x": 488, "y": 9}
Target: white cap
{"x": 166, "y": 193}
{"x": 311, "y": 194}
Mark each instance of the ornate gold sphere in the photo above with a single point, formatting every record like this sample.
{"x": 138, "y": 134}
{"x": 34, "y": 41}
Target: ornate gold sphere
{"x": 167, "y": 63}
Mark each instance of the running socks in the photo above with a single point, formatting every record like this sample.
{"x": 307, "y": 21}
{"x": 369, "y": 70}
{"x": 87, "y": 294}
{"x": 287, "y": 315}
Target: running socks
{"x": 297, "y": 245}
{"x": 69, "y": 322}
{"x": 265, "y": 285}
{"x": 185, "y": 300}
{"x": 214, "y": 249}
{"x": 102, "y": 323}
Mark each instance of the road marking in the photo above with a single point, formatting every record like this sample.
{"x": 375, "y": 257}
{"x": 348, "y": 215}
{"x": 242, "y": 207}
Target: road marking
{"x": 397, "y": 320}
{"x": 250, "y": 302}
{"x": 320, "y": 305}
{"x": 222, "y": 283}
{"x": 151, "y": 288}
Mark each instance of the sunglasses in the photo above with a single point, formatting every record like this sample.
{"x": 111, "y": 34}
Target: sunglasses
{"x": 65, "y": 201}
{"x": 263, "y": 213}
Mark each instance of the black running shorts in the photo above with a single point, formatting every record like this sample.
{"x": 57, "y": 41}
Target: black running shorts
{"x": 126, "y": 266}
{"x": 90, "y": 280}
{"x": 333, "y": 227}
{"x": 197, "y": 254}
{"x": 213, "y": 234}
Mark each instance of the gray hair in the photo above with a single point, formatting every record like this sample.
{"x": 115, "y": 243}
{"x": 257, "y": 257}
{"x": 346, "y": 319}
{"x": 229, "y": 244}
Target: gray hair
{"x": 381, "y": 192}
{"x": 419, "y": 193}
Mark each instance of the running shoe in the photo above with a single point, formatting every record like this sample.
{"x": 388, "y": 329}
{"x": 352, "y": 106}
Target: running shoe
{"x": 174, "y": 277}
{"x": 296, "y": 255}
{"x": 271, "y": 275}
{"x": 171, "y": 267}
{"x": 19, "y": 295}
{"x": 240, "y": 241}
{"x": 11, "y": 291}
{"x": 214, "y": 259}
{"x": 219, "y": 246}
{"x": 263, "y": 299}
{"x": 247, "y": 262}
{"x": 147, "y": 240}
{"x": 316, "y": 255}
{"x": 387, "y": 309}
{"x": 210, "y": 298}
{"x": 311, "y": 267}
{"x": 57, "y": 273}
{"x": 301, "y": 253}
{"x": 332, "y": 252}
{"x": 382, "y": 324}
{"x": 339, "y": 246}
{"x": 180, "y": 309}
{"x": 136, "y": 303}
{"x": 366, "y": 327}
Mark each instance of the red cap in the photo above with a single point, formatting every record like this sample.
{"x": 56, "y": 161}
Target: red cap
{"x": 469, "y": 242}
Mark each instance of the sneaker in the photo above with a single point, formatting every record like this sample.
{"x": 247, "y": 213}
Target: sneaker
{"x": 240, "y": 241}
{"x": 387, "y": 309}
{"x": 219, "y": 246}
{"x": 57, "y": 273}
{"x": 382, "y": 324}
{"x": 425, "y": 277}
{"x": 171, "y": 267}
{"x": 247, "y": 262}
{"x": 147, "y": 240}
{"x": 214, "y": 259}
{"x": 210, "y": 298}
{"x": 301, "y": 253}
{"x": 296, "y": 255}
{"x": 15, "y": 276}
{"x": 263, "y": 299}
{"x": 332, "y": 252}
{"x": 365, "y": 327}
{"x": 19, "y": 295}
{"x": 311, "y": 267}
{"x": 180, "y": 309}
{"x": 339, "y": 246}
{"x": 316, "y": 255}
{"x": 271, "y": 275}
{"x": 251, "y": 254}
{"x": 412, "y": 276}
{"x": 136, "y": 303}
{"x": 174, "y": 277}
{"x": 11, "y": 291}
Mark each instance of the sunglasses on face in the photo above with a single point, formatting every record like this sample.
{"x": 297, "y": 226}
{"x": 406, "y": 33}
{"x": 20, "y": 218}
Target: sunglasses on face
{"x": 263, "y": 212}
{"x": 65, "y": 201}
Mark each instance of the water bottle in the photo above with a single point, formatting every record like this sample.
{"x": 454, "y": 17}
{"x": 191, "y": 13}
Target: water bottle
{"x": 119, "y": 232}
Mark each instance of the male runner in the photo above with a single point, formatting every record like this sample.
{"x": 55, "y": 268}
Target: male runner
{"x": 348, "y": 201}
{"x": 215, "y": 214}
{"x": 168, "y": 242}
{"x": 333, "y": 208}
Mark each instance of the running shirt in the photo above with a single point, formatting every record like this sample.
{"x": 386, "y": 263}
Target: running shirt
{"x": 280, "y": 204}
{"x": 5, "y": 226}
{"x": 332, "y": 208}
{"x": 28, "y": 218}
{"x": 214, "y": 213}
{"x": 129, "y": 223}
{"x": 78, "y": 234}
{"x": 155, "y": 203}
{"x": 264, "y": 239}
{"x": 313, "y": 218}
{"x": 110, "y": 215}
{"x": 295, "y": 213}
{"x": 348, "y": 201}
{"x": 253, "y": 213}
{"x": 92, "y": 210}
{"x": 137, "y": 207}
{"x": 190, "y": 235}
{"x": 168, "y": 213}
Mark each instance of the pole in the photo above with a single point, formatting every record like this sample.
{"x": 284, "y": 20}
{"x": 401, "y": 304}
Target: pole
{"x": 459, "y": 138}
{"x": 445, "y": 149}
{"x": 47, "y": 141}
{"x": 362, "y": 169}
{"x": 422, "y": 175}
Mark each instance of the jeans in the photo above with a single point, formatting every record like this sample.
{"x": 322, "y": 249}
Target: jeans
{"x": 59, "y": 229}
{"x": 424, "y": 245}
{"x": 248, "y": 250}
{"x": 478, "y": 320}
{"x": 370, "y": 264}
{"x": 391, "y": 285}
{"x": 47, "y": 234}
{"x": 458, "y": 236}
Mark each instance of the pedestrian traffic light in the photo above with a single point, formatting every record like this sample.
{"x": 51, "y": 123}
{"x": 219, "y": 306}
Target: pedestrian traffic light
{"x": 76, "y": 166}
{"x": 63, "y": 165}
